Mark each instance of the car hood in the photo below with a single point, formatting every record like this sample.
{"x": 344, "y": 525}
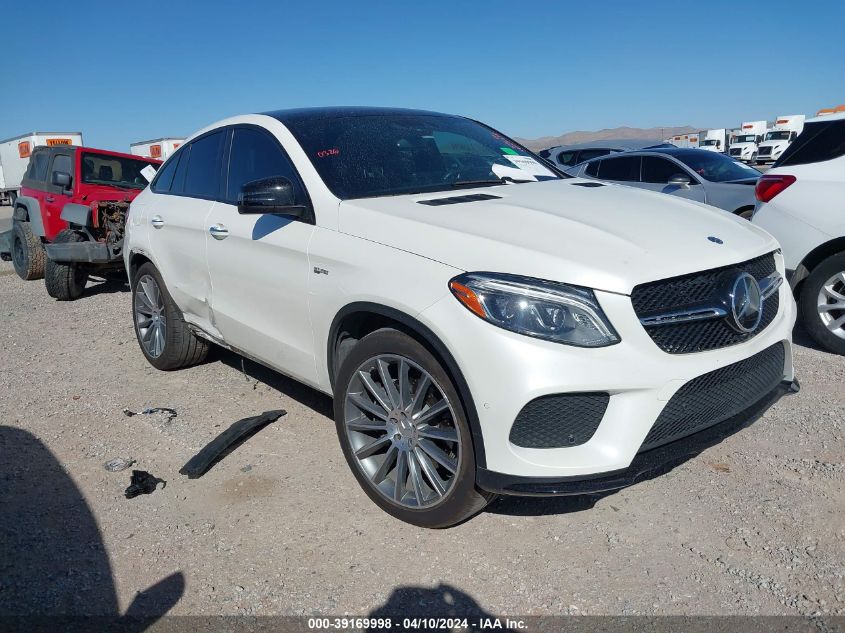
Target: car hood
{"x": 604, "y": 237}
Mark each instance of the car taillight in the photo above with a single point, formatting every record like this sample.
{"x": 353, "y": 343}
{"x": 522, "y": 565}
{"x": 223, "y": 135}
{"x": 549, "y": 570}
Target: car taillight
{"x": 770, "y": 186}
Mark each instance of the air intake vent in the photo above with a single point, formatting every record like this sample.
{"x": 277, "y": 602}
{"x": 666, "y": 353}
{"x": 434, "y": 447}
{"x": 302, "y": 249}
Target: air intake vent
{"x": 560, "y": 420}
{"x": 587, "y": 184}
{"x": 474, "y": 197}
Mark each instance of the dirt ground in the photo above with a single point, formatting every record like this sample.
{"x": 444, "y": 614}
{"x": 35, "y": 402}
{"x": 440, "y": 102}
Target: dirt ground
{"x": 754, "y": 525}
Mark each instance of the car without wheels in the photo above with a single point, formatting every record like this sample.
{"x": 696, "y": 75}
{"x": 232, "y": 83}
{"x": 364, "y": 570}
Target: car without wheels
{"x": 486, "y": 324}
{"x": 801, "y": 201}
{"x": 69, "y": 219}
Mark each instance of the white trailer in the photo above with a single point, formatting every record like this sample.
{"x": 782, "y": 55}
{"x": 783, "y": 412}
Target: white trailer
{"x": 785, "y": 130}
{"x": 685, "y": 140}
{"x": 160, "y": 148}
{"x": 15, "y": 153}
{"x": 714, "y": 140}
{"x": 745, "y": 141}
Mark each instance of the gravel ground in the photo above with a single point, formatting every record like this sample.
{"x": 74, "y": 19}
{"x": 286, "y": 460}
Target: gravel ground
{"x": 754, "y": 525}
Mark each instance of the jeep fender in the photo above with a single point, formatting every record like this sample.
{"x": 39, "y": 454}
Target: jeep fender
{"x": 28, "y": 209}
{"x": 77, "y": 214}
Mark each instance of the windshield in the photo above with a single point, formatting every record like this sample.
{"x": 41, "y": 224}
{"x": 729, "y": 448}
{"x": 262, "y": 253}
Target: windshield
{"x": 710, "y": 142}
{"x": 716, "y": 167}
{"x": 114, "y": 171}
{"x": 778, "y": 136}
{"x": 746, "y": 138}
{"x": 383, "y": 155}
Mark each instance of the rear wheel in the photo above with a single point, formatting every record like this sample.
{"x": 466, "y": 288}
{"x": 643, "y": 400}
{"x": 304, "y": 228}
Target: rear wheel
{"x": 163, "y": 335}
{"x": 27, "y": 252}
{"x": 404, "y": 432}
{"x": 66, "y": 281}
{"x": 822, "y": 304}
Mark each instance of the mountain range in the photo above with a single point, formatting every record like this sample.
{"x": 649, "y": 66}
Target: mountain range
{"x": 610, "y": 133}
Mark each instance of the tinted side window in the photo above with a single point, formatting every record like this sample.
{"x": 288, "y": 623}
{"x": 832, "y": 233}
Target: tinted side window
{"x": 38, "y": 166}
{"x": 818, "y": 142}
{"x": 164, "y": 179}
{"x": 593, "y": 169}
{"x": 566, "y": 158}
{"x": 202, "y": 178}
{"x": 659, "y": 170}
{"x": 61, "y": 162}
{"x": 181, "y": 168}
{"x": 623, "y": 168}
{"x": 255, "y": 155}
{"x": 587, "y": 154}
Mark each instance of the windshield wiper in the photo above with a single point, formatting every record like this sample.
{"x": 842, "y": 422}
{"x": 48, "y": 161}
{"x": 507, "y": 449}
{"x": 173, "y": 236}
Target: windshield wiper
{"x": 485, "y": 183}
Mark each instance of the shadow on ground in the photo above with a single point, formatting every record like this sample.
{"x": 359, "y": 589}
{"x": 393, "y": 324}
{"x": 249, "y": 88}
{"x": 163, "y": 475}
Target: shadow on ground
{"x": 53, "y": 561}
{"x": 443, "y": 601}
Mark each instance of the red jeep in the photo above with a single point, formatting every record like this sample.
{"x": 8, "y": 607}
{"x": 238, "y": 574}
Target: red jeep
{"x": 70, "y": 216}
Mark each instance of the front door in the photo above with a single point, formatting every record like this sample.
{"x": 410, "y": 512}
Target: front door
{"x": 259, "y": 263}
{"x": 56, "y": 197}
{"x": 658, "y": 171}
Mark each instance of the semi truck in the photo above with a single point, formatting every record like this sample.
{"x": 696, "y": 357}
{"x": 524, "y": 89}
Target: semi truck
{"x": 778, "y": 138}
{"x": 14, "y": 158}
{"x": 745, "y": 141}
{"x": 714, "y": 140}
{"x": 159, "y": 148}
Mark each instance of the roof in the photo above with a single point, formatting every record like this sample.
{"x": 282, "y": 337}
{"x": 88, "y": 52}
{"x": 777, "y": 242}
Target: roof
{"x": 298, "y": 115}
{"x": 618, "y": 144}
{"x": 677, "y": 152}
{"x": 97, "y": 150}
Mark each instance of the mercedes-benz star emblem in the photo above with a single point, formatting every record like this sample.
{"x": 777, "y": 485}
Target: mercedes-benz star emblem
{"x": 746, "y": 303}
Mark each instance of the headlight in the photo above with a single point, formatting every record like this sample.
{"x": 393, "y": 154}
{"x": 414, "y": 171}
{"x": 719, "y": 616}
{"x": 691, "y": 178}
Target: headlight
{"x": 543, "y": 309}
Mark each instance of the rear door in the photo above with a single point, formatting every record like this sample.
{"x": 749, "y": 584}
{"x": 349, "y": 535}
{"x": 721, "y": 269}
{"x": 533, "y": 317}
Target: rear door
{"x": 657, "y": 171}
{"x": 259, "y": 263}
{"x": 177, "y": 217}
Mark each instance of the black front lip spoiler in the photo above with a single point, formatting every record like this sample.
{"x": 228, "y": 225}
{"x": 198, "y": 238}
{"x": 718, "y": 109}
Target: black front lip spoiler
{"x": 646, "y": 465}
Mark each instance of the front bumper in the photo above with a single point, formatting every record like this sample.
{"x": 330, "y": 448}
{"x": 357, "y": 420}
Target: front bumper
{"x": 504, "y": 371}
{"x": 645, "y": 465}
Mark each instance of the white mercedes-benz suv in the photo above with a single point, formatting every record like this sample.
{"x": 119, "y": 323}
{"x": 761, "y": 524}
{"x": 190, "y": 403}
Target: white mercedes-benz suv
{"x": 485, "y": 324}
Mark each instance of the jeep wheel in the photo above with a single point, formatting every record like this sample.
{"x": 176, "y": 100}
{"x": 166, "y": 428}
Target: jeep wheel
{"x": 27, "y": 252}
{"x": 822, "y": 304}
{"x": 404, "y": 432}
{"x": 163, "y": 335}
{"x": 66, "y": 281}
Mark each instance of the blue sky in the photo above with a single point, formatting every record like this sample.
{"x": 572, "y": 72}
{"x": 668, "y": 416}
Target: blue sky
{"x": 127, "y": 71}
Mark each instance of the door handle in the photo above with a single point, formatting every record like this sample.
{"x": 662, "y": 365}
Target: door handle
{"x": 49, "y": 199}
{"x": 218, "y": 231}
{"x": 157, "y": 221}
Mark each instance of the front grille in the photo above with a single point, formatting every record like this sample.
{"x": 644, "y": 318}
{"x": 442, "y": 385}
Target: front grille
{"x": 764, "y": 151}
{"x": 559, "y": 420}
{"x": 736, "y": 151}
{"x": 696, "y": 288}
{"x": 717, "y": 396}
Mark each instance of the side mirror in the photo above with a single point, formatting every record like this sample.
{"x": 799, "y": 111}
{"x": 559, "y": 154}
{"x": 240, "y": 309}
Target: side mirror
{"x": 271, "y": 195}
{"x": 61, "y": 179}
{"x": 680, "y": 180}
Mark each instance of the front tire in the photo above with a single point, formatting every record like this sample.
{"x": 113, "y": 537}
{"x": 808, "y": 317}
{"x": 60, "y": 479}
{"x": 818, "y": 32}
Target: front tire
{"x": 163, "y": 335}
{"x": 822, "y": 304}
{"x": 404, "y": 432}
{"x": 28, "y": 254}
{"x": 66, "y": 281}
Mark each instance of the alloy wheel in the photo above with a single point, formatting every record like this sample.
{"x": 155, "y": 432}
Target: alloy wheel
{"x": 831, "y": 304}
{"x": 402, "y": 431}
{"x": 150, "y": 317}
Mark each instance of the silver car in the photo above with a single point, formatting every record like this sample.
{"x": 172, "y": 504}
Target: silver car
{"x": 696, "y": 174}
{"x": 565, "y": 156}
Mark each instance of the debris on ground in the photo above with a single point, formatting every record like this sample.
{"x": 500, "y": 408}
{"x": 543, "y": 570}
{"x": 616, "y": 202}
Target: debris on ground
{"x": 118, "y": 463}
{"x": 227, "y": 441}
{"x": 143, "y": 483}
{"x": 248, "y": 379}
{"x": 170, "y": 413}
